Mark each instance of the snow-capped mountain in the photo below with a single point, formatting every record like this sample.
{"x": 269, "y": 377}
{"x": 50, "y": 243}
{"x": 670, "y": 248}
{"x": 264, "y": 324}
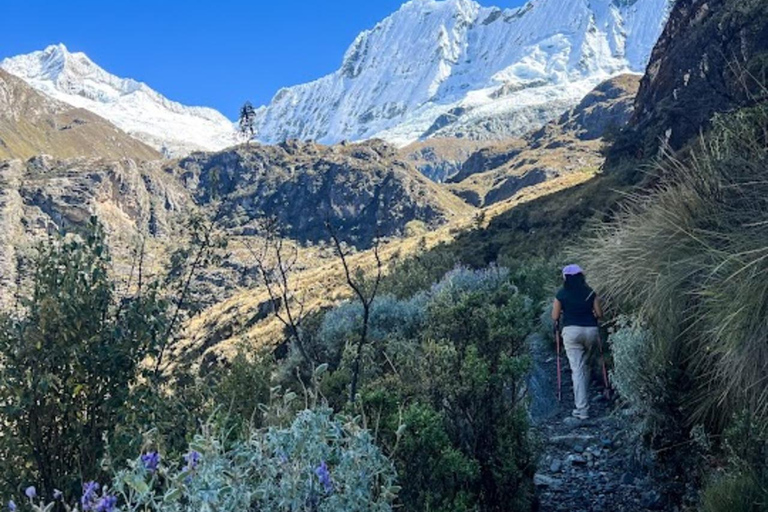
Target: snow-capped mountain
{"x": 132, "y": 106}
{"x": 454, "y": 68}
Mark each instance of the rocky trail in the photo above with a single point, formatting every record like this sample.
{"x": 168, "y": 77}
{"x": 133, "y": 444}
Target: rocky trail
{"x": 591, "y": 465}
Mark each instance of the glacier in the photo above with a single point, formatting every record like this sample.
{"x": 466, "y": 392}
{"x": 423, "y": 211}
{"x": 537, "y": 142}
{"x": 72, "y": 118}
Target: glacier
{"x": 456, "y": 68}
{"x": 132, "y": 106}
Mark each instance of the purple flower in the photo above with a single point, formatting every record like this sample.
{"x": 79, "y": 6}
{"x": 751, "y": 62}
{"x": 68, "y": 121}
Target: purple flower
{"x": 90, "y": 496}
{"x": 57, "y": 494}
{"x": 12, "y": 506}
{"x": 324, "y": 475}
{"x": 151, "y": 461}
{"x": 192, "y": 459}
{"x": 106, "y": 504}
{"x": 31, "y": 492}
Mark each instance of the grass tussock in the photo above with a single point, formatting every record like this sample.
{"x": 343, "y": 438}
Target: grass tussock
{"x": 691, "y": 256}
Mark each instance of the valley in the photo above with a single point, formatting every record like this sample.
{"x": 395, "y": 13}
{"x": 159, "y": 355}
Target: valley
{"x": 347, "y": 303}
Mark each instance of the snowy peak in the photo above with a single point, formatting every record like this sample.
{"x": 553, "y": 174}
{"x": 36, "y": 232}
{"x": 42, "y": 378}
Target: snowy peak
{"x": 72, "y": 73}
{"x": 455, "y": 68}
{"x": 131, "y": 105}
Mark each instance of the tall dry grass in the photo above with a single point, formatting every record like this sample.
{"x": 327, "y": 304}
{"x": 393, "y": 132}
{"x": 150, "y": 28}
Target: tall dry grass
{"x": 690, "y": 257}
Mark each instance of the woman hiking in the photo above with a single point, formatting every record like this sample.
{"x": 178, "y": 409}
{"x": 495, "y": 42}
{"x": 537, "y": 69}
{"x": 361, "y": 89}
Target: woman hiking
{"x": 577, "y": 309}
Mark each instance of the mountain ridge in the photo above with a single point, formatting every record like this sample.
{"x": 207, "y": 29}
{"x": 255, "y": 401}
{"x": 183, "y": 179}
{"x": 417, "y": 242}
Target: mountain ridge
{"x": 131, "y": 105}
{"x": 448, "y": 69}
{"x": 32, "y": 123}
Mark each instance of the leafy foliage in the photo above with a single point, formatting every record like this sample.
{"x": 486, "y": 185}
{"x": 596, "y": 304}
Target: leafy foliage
{"x": 639, "y": 378}
{"x": 69, "y": 364}
{"x": 318, "y": 463}
{"x": 442, "y": 391}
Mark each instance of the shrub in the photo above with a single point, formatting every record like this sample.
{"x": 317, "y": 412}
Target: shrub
{"x": 743, "y": 484}
{"x": 390, "y": 318}
{"x": 415, "y": 274}
{"x": 318, "y": 463}
{"x": 463, "y": 279}
{"x": 447, "y": 404}
{"x": 70, "y": 364}
{"x": 738, "y": 492}
{"x": 638, "y": 377}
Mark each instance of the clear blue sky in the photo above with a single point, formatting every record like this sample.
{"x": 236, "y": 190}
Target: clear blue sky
{"x": 216, "y": 53}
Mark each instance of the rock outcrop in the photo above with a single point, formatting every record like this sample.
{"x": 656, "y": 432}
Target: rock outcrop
{"x": 572, "y": 143}
{"x": 710, "y": 58}
{"x": 364, "y": 189}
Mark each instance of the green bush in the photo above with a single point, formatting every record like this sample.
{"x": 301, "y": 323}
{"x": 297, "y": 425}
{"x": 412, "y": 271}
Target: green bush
{"x": 443, "y": 391}
{"x": 743, "y": 484}
{"x": 737, "y": 492}
{"x": 70, "y": 365}
{"x": 640, "y": 379}
{"x": 318, "y": 463}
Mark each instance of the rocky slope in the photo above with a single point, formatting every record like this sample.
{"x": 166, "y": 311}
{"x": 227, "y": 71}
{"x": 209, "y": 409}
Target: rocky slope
{"x": 453, "y": 68}
{"x": 44, "y": 196}
{"x": 132, "y": 106}
{"x": 32, "y": 123}
{"x": 365, "y": 189}
{"x": 440, "y": 158}
{"x": 710, "y": 58}
{"x": 572, "y": 143}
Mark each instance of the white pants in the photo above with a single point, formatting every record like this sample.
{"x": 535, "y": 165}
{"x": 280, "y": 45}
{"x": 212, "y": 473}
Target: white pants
{"x": 578, "y": 343}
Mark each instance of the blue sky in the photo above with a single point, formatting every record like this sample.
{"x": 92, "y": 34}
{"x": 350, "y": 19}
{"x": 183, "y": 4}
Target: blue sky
{"x": 213, "y": 53}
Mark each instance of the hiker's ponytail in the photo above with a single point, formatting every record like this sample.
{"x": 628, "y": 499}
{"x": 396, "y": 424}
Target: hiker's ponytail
{"x": 576, "y": 282}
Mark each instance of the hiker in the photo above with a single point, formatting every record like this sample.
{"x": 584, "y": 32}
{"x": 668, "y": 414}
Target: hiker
{"x": 577, "y": 310}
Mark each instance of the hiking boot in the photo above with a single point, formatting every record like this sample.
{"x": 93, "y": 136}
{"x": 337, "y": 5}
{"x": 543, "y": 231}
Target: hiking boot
{"x": 579, "y": 415}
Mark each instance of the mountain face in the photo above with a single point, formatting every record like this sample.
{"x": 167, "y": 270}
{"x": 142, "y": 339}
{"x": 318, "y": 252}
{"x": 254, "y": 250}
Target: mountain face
{"x": 32, "y": 123}
{"x": 364, "y": 189}
{"x": 45, "y": 195}
{"x": 132, "y": 106}
{"x": 570, "y": 144}
{"x": 710, "y": 58}
{"x": 455, "y": 69}
{"x": 440, "y": 158}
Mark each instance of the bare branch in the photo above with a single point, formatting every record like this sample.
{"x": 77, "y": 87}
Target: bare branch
{"x": 366, "y": 300}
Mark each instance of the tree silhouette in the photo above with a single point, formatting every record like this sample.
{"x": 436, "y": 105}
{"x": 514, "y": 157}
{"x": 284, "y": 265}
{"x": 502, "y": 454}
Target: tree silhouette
{"x": 247, "y": 121}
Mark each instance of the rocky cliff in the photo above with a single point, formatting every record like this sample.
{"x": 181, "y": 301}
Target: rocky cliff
{"x": 365, "y": 189}
{"x": 711, "y": 57}
{"x": 44, "y": 196}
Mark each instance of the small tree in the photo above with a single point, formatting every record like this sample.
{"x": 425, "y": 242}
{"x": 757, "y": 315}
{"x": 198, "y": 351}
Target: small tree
{"x": 68, "y": 364}
{"x": 276, "y": 265}
{"x": 365, "y": 290}
{"x": 247, "y": 121}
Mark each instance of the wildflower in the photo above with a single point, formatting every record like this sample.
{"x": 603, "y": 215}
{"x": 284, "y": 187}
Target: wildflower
{"x": 12, "y": 506}
{"x": 57, "y": 494}
{"x": 192, "y": 459}
{"x": 106, "y": 504}
{"x": 324, "y": 475}
{"x": 31, "y": 492}
{"x": 90, "y": 496}
{"x": 151, "y": 461}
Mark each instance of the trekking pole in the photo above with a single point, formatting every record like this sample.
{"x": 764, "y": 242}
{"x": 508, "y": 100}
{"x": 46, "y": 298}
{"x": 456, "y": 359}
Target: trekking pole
{"x": 559, "y": 369}
{"x": 606, "y": 383}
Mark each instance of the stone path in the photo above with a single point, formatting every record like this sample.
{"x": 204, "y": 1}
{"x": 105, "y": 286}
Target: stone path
{"x": 586, "y": 466}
